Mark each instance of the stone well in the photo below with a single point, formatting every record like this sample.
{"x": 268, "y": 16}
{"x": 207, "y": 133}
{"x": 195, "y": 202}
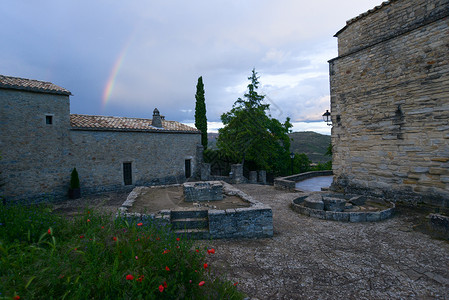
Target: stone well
{"x": 343, "y": 207}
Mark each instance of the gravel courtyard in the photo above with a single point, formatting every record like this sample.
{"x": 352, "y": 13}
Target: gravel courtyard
{"x": 309, "y": 258}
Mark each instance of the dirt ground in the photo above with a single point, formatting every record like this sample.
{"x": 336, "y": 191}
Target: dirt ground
{"x": 309, "y": 258}
{"x": 152, "y": 200}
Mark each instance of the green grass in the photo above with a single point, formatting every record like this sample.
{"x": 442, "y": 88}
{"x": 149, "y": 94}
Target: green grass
{"x": 43, "y": 255}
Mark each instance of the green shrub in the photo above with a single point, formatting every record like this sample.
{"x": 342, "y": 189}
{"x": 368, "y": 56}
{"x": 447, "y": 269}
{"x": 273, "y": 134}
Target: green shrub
{"x": 93, "y": 257}
{"x": 74, "y": 179}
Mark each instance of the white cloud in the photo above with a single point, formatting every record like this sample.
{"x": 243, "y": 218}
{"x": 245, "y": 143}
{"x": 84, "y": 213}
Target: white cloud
{"x": 169, "y": 44}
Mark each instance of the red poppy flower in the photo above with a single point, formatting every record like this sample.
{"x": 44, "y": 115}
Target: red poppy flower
{"x": 205, "y": 266}
{"x": 140, "y": 278}
{"x": 197, "y": 250}
{"x": 201, "y": 283}
{"x": 102, "y": 227}
{"x": 178, "y": 239}
{"x": 114, "y": 238}
{"x": 165, "y": 284}
{"x": 167, "y": 268}
{"x": 161, "y": 288}
{"x": 49, "y": 231}
{"x": 235, "y": 284}
{"x": 81, "y": 236}
{"x": 139, "y": 224}
{"x": 165, "y": 251}
{"x": 129, "y": 277}
{"x": 88, "y": 220}
{"x": 17, "y": 297}
{"x": 211, "y": 251}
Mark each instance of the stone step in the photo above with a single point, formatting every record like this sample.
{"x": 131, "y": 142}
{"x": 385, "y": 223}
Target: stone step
{"x": 195, "y": 234}
{"x": 190, "y": 223}
{"x": 186, "y": 214}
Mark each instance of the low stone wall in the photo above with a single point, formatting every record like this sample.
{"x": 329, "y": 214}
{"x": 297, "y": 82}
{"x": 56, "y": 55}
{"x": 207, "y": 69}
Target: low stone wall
{"x": 255, "y": 221}
{"x": 289, "y": 182}
{"x": 249, "y": 222}
{"x": 353, "y": 217}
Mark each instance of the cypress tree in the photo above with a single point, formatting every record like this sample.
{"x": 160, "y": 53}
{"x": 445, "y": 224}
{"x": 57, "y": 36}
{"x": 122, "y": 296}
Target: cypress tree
{"x": 200, "y": 112}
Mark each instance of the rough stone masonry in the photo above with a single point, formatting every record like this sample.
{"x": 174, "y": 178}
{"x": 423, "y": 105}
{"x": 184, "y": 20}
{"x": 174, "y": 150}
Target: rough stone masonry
{"x": 41, "y": 142}
{"x": 390, "y": 102}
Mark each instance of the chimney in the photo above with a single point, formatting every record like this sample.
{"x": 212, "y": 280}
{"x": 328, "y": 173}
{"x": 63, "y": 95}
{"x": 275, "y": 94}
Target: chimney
{"x": 157, "y": 120}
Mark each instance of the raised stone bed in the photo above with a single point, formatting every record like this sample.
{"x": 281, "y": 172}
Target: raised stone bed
{"x": 347, "y": 208}
{"x": 255, "y": 221}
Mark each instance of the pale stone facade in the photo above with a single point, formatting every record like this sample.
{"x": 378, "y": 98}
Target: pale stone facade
{"x": 40, "y": 144}
{"x": 390, "y": 102}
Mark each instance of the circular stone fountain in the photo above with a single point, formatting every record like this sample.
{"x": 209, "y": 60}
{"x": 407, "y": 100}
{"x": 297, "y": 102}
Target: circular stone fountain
{"x": 343, "y": 207}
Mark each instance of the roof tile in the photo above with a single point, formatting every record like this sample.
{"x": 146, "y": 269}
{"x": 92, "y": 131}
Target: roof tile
{"x": 88, "y": 122}
{"x": 8, "y": 82}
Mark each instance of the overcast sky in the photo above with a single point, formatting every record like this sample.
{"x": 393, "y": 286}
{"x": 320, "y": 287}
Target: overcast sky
{"x": 124, "y": 58}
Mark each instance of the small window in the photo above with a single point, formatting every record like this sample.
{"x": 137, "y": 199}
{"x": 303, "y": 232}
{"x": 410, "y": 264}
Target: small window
{"x": 127, "y": 173}
{"x": 49, "y": 120}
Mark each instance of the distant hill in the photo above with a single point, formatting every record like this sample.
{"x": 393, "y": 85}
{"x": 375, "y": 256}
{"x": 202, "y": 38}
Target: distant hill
{"x": 313, "y": 144}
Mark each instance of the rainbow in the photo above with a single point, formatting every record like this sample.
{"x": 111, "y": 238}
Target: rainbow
{"x": 113, "y": 76}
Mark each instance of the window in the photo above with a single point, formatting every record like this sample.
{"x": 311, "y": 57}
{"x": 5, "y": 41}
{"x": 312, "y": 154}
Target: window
{"x": 49, "y": 120}
{"x": 188, "y": 168}
{"x": 127, "y": 173}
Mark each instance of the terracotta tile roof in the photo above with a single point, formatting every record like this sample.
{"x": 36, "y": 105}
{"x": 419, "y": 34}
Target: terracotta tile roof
{"x": 7, "y": 82}
{"x": 87, "y": 122}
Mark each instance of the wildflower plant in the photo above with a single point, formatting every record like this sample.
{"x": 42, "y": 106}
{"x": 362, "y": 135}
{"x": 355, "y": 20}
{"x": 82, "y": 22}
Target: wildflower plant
{"x": 43, "y": 255}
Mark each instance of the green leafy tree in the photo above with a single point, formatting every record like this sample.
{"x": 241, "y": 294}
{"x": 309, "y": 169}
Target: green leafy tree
{"x": 301, "y": 163}
{"x": 250, "y": 134}
{"x": 200, "y": 111}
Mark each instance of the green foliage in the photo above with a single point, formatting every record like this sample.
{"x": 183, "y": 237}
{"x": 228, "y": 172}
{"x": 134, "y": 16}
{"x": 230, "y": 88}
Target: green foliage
{"x": 323, "y": 167}
{"x": 74, "y": 179}
{"x": 251, "y": 135}
{"x": 220, "y": 163}
{"x": 200, "y": 112}
{"x": 301, "y": 163}
{"x": 329, "y": 150}
{"x": 43, "y": 256}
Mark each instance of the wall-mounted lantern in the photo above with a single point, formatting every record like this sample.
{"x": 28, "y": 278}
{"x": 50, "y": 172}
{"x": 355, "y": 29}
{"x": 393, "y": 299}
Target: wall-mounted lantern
{"x": 327, "y": 118}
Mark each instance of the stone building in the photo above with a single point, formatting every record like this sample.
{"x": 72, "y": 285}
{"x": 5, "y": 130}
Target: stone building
{"x": 41, "y": 142}
{"x": 390, "y": 102}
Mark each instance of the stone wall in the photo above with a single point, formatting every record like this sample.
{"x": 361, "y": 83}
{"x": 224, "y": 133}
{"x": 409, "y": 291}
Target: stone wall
{"x": 37, "y": 158}
{"x": 156, "y": 158}
{"x": 389, "y": 103}
{"x": 34, "y": 154}
{"x": 289, "y": 182}
{"x": 387, "y": 21}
